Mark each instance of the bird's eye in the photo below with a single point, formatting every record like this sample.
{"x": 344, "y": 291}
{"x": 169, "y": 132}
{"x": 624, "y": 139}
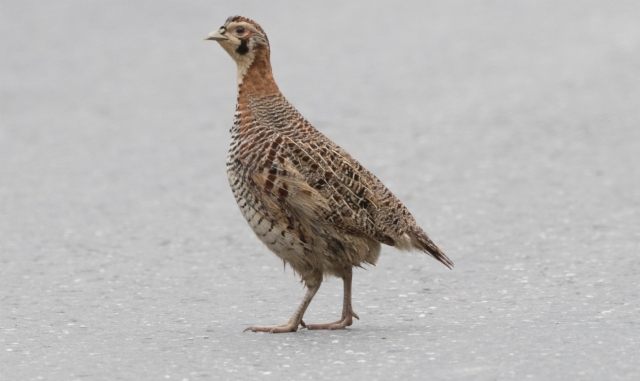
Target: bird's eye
{"x": 240, "y": 30}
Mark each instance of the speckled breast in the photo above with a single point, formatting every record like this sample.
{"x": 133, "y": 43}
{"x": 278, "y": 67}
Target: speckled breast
{"x": 271, "y": 230}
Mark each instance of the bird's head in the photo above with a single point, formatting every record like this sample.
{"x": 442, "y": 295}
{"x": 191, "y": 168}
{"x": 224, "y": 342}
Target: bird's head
{"x": 242, "y": 38}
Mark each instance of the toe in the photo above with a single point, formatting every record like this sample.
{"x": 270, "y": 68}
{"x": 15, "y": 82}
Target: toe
{"x": 289, "y": 327}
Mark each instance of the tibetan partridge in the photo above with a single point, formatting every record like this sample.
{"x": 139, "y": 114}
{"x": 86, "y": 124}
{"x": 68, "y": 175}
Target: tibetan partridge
{"x": 314, "y": 205}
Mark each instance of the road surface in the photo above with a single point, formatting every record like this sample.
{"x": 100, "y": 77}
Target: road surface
{"x": 509, "y": 129}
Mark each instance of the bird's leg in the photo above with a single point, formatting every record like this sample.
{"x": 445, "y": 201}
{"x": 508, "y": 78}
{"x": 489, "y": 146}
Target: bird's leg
{"x": 296, "y": 319}
{"x": 347, "y": 310}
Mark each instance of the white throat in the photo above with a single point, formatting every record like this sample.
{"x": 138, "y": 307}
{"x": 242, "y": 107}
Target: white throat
{"x": 244, "y": 62}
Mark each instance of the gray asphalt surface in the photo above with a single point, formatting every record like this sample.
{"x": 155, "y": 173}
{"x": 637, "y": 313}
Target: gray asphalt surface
{"x": 511, "y": 130}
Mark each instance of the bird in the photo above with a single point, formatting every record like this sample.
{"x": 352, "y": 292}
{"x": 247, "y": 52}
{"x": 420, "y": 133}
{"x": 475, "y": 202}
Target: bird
{"x": 308, "y": 200}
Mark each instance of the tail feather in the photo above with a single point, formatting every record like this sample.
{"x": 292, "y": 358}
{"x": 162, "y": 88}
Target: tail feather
{"x": 421, "y": 241}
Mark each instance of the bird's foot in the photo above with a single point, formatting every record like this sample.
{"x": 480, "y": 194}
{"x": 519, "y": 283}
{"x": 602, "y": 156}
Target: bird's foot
{"x": 340, "y": 324}
{"x": 289, "y": 327}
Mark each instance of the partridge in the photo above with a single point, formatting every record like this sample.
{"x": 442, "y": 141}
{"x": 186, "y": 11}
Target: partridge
{"x": 309, "y": 201}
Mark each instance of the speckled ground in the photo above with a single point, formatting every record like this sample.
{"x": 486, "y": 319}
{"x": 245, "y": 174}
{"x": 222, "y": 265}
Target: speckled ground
{"x": 509, "y": 129}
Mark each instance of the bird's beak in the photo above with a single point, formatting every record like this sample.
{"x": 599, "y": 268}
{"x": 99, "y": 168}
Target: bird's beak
{"x": 216, "y": 36}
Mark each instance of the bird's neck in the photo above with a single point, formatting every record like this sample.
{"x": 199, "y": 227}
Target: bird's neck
{"x": 255, "y": 77}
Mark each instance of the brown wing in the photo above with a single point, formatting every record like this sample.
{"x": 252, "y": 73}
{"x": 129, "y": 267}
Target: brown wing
{"x": 347, "y": 187}
{"x": 358, "y": 203}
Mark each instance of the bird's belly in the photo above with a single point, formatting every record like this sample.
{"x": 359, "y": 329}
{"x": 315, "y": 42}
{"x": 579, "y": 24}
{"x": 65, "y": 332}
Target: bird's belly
{"x": 272, "y": 233}
{"x": 277, "y": 238}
